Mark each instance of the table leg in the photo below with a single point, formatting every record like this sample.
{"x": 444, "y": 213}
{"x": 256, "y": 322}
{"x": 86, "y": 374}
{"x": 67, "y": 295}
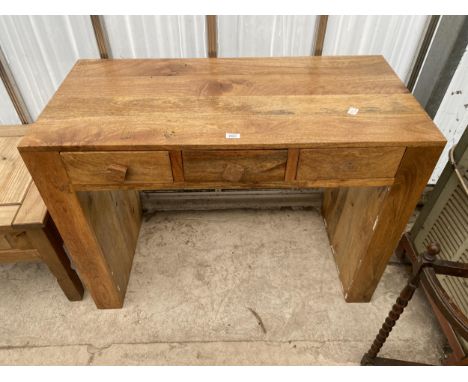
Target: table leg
{"x": 48, "y": 243}
{"x": 365, "y": 224}
{"x": 99, "y": 229}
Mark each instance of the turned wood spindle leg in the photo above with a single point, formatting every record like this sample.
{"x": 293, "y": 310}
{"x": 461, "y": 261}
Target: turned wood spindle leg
{"x": 393, "y": 316}
{"x": 402, "y": 301}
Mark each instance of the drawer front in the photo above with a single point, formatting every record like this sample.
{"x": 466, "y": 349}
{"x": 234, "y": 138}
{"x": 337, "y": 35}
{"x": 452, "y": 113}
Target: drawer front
{"x": 235, "y": 166}
{"x": 349, "y": 163}
{"x": 118, "y": 167}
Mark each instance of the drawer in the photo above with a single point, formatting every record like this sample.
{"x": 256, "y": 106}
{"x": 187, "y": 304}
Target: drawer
{"x": 118, "y": 167}
{"x": 349, "y": 163}
{"x": 235, "y": 166}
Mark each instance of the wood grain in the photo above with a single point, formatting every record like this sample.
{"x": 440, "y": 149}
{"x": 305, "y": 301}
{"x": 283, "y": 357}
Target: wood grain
{"x": 18, "y": 256}
{"x": 257, "y": 132}
{"x": 157, "y": 106}
{"x": 364, "y": 241}
{"x": 13, "y": 130}
{"x": 354, "y": 65}
{"x": 365, "y": 163}
{"x": 18, "y": 240}
{"x": 49, "y": 246}
{"x": 108, "y": 213}
{"x": 249, "y": 166}
{"x": 32, "y": 211}
{"x": 14, "y": 176}
{"x": 177, "y": 165}
{"x": 291, "y": 165}
{"x": 81, "y": 241}
{"x": 230, "y": 85}
{"x": 4, "y": 243}
{"x": 7, "y": 215}
{"x": 93, "y": 168}
{"x": 224, "y": 184}
{"x": 286, "y": 110}
{"x": 272, "y": 102}
{"x": 350, "y": 215}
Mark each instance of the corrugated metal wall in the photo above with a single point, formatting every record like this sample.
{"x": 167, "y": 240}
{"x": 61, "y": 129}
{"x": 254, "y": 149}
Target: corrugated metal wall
{"x": 42, "y": 49}
{"x": 8, "y": 114}
{"x": 156, "y": 36}
{"x": 263, "y": 36}
{"x": 397, "y": 38}
{"x": 452, "y": 116}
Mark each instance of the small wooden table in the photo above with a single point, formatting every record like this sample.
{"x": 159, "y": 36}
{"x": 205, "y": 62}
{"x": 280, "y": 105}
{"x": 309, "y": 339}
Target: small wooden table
{"x": 347, "y": 124}
{"x": 27, "y": 233}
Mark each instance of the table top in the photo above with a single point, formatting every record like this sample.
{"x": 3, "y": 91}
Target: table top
{"x": 20, "y": 202}
{"x": 173, "y": 104}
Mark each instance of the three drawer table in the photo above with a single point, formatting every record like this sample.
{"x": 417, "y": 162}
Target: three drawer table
{"x": 345, "y": 124}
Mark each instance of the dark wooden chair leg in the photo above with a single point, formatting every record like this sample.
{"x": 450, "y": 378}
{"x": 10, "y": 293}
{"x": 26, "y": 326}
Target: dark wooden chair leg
{"x": 370, "y": 358}
{"x": 402, "y": 301}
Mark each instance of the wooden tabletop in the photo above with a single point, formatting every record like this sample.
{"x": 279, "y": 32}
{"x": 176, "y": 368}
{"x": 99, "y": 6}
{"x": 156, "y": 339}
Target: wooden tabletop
{"x": 20, "y": 202}
{"x": 192, "y": 103}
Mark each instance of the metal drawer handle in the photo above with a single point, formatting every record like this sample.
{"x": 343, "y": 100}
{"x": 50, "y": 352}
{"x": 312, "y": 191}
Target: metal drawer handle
{"x": 117, "y": 172}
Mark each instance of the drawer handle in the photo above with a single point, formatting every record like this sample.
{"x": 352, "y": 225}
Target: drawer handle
{"x": 117, "y": 172}
{"x": 233, "y": 172}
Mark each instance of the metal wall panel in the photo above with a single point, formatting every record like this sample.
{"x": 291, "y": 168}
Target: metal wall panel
{"x": 156, "y": 36}
{"x": 8, "y": 114}
{"x": 397, "y": 38}
{"x": 263, "y": 36}
{"x": 452, "y": 116}
{"x": 42, "y": 49}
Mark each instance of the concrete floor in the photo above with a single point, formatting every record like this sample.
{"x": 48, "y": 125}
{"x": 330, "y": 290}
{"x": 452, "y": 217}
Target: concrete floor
{"x": 194, "y": 278}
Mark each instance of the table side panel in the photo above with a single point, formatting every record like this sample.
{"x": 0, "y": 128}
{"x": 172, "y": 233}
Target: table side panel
{"x": 115, "y": 217}
{"x": 52, "y": 181}
{"x": 365, "y": 237}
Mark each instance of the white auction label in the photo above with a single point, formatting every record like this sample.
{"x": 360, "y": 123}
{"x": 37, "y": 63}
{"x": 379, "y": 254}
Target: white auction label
{"x": 232, "y": 135}
{"x": 353, "y": 110}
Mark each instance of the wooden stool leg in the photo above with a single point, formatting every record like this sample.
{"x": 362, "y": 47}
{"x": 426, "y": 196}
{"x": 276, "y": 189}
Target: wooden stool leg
{"x": 48, "y": 243}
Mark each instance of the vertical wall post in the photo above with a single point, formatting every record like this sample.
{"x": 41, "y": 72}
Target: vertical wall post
{"x": 211, "y": 29}
{"x": 423, "y": 51}
{"x": 13, "y": 91}
{"x": 320, "y": 35}
{"x": 101, "y": 36}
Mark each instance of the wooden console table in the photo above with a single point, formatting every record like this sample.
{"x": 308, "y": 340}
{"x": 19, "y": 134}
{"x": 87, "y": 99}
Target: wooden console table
{"x": 344, "y": 123}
